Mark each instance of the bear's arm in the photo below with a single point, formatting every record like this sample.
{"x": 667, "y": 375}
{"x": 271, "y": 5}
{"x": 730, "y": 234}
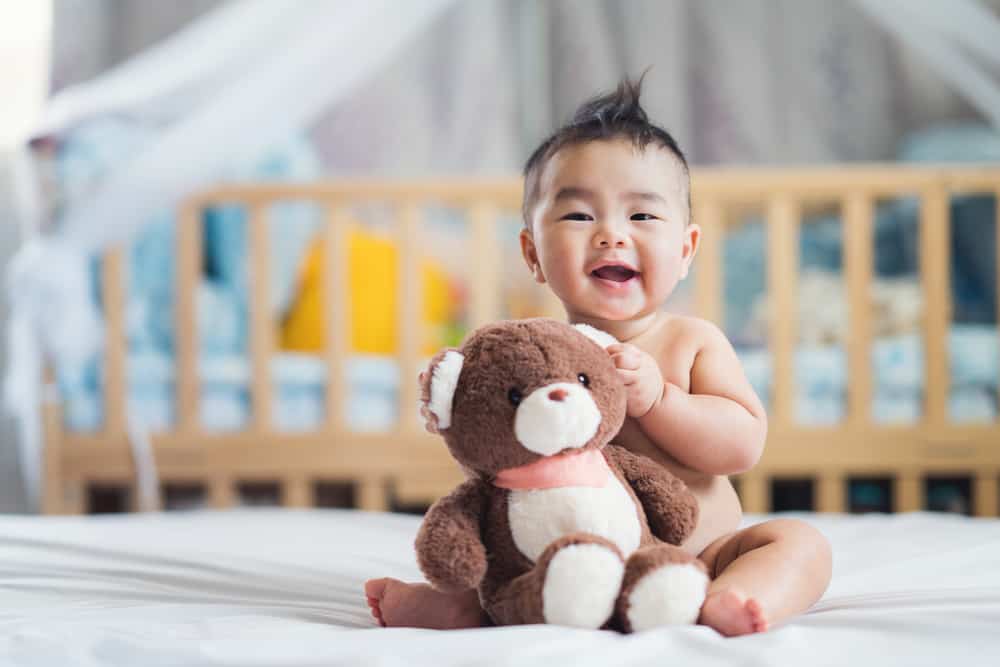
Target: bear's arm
{"x": 671, "y": 509}
{"x": 450, "y": 551}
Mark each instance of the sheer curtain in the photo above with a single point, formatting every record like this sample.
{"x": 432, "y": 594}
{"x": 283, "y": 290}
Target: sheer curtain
{"x": 757, "y": 82}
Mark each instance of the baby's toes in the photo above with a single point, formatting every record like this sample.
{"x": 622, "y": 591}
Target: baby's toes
{"x": 732, "y": 614}
{"x": 374, "y": 593}
{"x": 756, "y": 614}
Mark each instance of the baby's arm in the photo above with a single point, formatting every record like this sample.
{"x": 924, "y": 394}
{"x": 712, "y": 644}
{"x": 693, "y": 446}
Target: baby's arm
{"x": 719, "y": 426}
{"x": 449, "y": 549}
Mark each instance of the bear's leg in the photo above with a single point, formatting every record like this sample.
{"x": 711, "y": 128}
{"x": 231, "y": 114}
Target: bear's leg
{"x": 575, "y": 582}
{"x": 663, "y": 585}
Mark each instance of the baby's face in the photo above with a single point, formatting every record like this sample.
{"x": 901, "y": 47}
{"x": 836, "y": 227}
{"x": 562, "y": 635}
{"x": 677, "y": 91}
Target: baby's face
{"x": 609, "y": 230}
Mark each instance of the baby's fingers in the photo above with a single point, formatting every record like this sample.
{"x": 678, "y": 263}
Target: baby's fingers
{"x": 629, "y": 377}
{"x": 626, "y": 359}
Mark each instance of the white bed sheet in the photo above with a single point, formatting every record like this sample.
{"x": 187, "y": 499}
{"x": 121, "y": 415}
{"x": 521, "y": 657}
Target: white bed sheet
{"x": 283, "y": 587}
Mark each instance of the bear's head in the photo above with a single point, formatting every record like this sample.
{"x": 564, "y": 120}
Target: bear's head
{"x": 520, "y": 390}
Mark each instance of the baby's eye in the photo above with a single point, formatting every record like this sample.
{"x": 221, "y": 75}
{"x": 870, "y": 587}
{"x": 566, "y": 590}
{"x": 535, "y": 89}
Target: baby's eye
{"x": 577, "y": 216}
{"x": 644, "y": 216}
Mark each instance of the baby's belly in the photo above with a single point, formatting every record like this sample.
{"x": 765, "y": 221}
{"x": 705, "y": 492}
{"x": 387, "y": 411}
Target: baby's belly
{"x": 538, "y": 517}
{"x": 719, "y": 511}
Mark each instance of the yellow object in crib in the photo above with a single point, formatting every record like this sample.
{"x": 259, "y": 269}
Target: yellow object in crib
{"x": 372, "y": 273}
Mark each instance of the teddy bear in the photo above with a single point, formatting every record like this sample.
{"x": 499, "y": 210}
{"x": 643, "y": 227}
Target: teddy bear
{"x": 553, "y": 524}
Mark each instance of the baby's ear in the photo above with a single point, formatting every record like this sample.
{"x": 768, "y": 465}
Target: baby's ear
{"x": 602, "y": 338}
{"x": 437, "y": 388}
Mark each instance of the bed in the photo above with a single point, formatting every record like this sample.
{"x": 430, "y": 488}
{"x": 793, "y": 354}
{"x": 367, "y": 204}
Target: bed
{"x": 201, "y": 588}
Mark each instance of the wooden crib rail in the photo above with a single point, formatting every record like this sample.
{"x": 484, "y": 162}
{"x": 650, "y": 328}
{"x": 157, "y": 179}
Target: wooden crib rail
{"x": 414, "y": 463}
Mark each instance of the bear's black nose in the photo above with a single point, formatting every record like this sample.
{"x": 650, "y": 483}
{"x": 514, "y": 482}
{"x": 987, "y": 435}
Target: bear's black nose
{"x": 557, "y": 394}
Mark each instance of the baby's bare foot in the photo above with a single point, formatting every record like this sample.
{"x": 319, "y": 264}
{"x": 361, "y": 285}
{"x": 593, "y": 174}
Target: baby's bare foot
{"x": 395, "y": 603}
{"x": 731, "y": 613}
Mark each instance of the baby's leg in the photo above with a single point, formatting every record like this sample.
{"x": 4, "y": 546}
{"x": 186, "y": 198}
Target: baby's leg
{"x": 395, "y": 603}
{"x": 763, "y": 575}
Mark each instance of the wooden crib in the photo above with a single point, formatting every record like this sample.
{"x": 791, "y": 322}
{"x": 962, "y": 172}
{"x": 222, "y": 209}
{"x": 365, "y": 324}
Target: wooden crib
{"x": 409, "y": 466}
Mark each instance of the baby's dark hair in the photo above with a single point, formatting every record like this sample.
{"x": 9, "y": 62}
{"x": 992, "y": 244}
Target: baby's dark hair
{"x": 616, "y": 115}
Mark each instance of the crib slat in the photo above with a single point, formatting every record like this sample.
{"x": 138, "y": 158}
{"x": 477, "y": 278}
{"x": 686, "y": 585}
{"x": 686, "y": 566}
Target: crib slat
{"x": 114, "y": 344}
{"x": 261, "y": 325}
{"x": 996, "y": 204}
{"x": 410, "y": 328}
{"x": 783, "y": 264}
{"x": 708, "y": 288}
{"x": 338, "y": 324}
{"x": 485, "y": 305}
{"x": 934, "y": 256}
{"x": 858, "y": 257}
{"x": 189, "y": 257}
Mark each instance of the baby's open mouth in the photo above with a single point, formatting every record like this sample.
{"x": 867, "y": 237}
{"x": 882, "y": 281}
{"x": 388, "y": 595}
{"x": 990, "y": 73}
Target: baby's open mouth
{"x": 618, "y": 274}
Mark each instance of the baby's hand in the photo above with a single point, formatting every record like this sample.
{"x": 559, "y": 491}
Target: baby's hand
{"x": 642, "y": 377}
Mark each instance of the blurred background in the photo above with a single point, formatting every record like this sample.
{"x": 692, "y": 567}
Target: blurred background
{"x": 129, "y": 104}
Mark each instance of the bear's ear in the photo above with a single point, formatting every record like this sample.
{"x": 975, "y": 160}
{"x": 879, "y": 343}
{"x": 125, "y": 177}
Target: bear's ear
{"x": 602, "y": 338}
{"x": 438, "y": 384}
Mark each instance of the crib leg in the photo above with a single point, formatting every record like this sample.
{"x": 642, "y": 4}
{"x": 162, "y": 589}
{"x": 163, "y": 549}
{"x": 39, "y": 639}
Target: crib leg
{"x": 908, "y": 493}
{"x": 831, "y": 494}
{"x": 753, "y": 493}
{"x": 297, "y": 492}
{"x": 985, "y": 494}
{"x": 74, "y": 497}
{"x": 371, "y": 494}
{"x": 221, "y": 494}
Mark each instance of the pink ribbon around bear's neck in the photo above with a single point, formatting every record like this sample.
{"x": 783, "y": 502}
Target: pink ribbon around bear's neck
{"x": 588, "y": 468}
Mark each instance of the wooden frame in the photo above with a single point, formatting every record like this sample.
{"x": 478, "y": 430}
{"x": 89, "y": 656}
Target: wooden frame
{"x": 415, "y": 465}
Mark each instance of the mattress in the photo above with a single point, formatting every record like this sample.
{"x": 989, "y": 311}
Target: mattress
{"x": 372, "y": 384}
{"x": 283, "y": 587}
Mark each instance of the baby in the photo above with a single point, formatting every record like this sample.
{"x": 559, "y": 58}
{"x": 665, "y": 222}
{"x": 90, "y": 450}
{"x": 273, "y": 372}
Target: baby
{"x": 607, "y": 228}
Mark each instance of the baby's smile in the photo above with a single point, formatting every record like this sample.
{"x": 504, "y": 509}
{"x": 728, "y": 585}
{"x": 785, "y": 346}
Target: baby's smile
{"x": 614, "y": 274}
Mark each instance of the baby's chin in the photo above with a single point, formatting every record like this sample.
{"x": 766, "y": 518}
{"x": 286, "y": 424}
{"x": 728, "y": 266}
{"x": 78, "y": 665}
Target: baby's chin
{"x": 619, "y": 310}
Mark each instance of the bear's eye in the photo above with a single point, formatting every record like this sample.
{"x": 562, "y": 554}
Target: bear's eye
{"x": 514, "y": 395}
{"x": 584, "y": 380}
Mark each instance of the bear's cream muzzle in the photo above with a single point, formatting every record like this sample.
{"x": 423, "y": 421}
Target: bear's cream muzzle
{"x": 555, "y": 417}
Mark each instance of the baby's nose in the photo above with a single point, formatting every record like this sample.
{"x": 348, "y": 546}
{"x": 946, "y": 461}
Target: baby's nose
{"x": 557, "y": 394}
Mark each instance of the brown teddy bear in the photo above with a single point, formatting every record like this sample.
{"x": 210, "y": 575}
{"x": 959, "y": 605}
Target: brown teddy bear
{"x": 553, "y": 525}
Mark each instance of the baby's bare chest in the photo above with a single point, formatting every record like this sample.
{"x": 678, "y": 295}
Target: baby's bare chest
{"x": 675, "y": 355}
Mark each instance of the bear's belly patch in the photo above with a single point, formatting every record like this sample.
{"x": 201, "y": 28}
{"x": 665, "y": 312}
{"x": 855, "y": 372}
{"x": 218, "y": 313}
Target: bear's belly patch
{"x": 540, "y": 516}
